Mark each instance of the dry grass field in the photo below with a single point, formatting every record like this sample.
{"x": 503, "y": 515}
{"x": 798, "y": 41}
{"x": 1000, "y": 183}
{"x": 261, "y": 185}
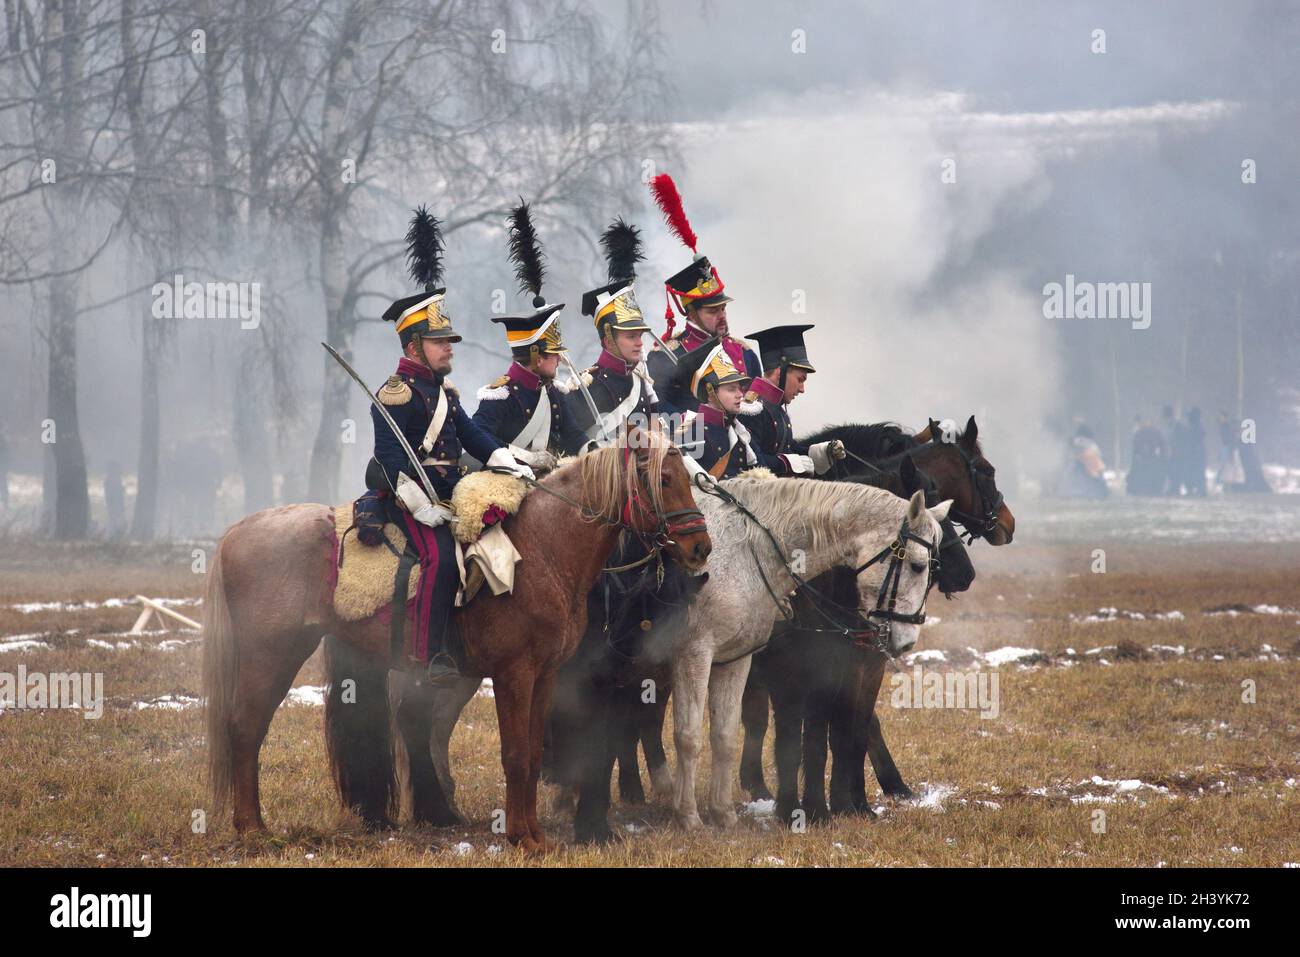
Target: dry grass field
{"x": 1150, "y": 729}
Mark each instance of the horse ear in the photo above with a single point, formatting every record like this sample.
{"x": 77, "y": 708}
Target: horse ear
{"x": 972, "y": 432}
{"x": 936, "y": 433}
{"x": 940, "y": 511}
{"x": 924, "y": 435}
{"x": 915, "y": 507}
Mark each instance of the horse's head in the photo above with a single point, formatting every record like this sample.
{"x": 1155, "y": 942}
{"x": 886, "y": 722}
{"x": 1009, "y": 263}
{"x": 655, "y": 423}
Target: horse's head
{"x": 659, "y": 500}
{"x": 892, "y": 584}
{"x": 962, "y": 473}
{"x": 954, "y": 571}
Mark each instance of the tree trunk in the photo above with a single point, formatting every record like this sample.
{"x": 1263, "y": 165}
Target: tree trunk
{"x": 146, "y": 496}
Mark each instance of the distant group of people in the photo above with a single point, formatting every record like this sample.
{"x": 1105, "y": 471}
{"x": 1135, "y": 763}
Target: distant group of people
{"x": 1169, "y": 456}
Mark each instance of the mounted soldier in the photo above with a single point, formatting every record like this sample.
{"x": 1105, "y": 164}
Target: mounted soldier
{"x": 618, "y": 386}
{"x": 711, "y": 435}
{"x": 699, "y": 295}
{"x": 786, "y": 368}
{"x": 526, "y": 408}
{"x": 426, "y": 408}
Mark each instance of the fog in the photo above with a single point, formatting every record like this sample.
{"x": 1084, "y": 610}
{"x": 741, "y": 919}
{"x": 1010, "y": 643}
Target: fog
{"x": 906, "y": 176}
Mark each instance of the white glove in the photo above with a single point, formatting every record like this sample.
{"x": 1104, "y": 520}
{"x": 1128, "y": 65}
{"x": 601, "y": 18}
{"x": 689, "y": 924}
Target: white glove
{"x": 823, "y": 454}
{"x": 416, "y": 500}
{"x": 799, "y": 464}
{"x": 540, "y": 461}
{"x": 502, "y": 459}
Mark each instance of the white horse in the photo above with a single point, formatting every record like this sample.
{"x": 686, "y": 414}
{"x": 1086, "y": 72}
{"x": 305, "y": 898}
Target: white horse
{"x": 817, "y": 526}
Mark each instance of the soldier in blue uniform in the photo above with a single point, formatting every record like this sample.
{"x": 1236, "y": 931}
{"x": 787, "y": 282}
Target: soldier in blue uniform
{"x": 711, "y": 435}
{"x": 426, "y": 407}
{"x": 699, "y": 296}
{"x": 618, "y": 384}
{"x": 785, "y": 370}
{"x": 526, "y": 408}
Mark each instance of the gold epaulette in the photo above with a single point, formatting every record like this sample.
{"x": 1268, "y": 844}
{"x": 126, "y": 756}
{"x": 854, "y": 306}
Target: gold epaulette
{"x": 499, "y": 381}
{"x": 751, "y": 395}
{"x": 395, "y": 391}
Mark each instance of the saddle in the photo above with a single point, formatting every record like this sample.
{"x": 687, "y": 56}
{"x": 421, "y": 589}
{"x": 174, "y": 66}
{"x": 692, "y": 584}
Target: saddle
{"x": 368, "y": 574}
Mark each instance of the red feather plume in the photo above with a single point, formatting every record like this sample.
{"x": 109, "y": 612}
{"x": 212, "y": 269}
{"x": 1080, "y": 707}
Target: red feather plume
{"x": 670, "y": 202}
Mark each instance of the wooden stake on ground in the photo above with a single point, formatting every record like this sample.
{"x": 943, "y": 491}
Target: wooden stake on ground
{"x": 156, "y": 610}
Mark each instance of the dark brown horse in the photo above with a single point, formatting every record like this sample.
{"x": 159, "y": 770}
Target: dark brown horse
{"x": 268, "y": 603}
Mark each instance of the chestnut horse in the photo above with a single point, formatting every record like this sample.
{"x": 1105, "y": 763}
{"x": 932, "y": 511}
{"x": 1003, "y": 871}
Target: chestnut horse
{"x": 268, "y": 603}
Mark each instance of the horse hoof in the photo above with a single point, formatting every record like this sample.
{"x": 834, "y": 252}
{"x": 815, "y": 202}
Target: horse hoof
{"x": 900, "y": 792}
{"x": 378, "y": 825}
{"x": 689, "y": 822}
{"x": 661, "y": 781}
{"x": 726, "y": 818}
{"x": 758, "y": 791}
{"x": 817, "y": 813}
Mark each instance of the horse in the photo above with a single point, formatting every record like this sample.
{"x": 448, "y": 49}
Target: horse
{"x": 880, "y": 452}
{"x": 764, "y": 530}
{"x": 268, "y": 604}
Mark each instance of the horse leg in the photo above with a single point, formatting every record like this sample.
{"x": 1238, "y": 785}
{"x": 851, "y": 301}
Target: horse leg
{"x": 265, "y": 675}
{"x": 787, "y": 720}
{"x": 591, "y": 816}
{"x": 539, "y": 709}
{"x": 816, "y": 725}
{"x": 627, "y": 702}
{"x": 650, "y": 721}
{"x": 846, "y": 767}
{"x": 426, "y": 718}
{"x": 882, "y": 762}
{"x": 753, "y": 714}
{"x": 690, "y": 686}
{"x": 514, "y": 697}
{"x": 726, "y": 688}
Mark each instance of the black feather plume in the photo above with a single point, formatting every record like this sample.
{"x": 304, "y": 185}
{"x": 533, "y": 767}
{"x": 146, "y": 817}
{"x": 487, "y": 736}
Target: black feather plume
{"x": 622, "y": 245}
{"x": 424, "y": 249}
{"x": 526, "y": 251}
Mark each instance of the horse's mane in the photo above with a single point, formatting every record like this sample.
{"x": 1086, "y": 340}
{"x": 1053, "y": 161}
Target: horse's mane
{"x": 791, "y": 506}
{"x": 872, "y": 441}
{"x": 878, "y": 442}
{"x": 607, "y": 485}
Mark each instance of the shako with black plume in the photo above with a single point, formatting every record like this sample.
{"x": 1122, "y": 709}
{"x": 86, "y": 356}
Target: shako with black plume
{"x": 613, "y": 306}
{"x": 536, "y": 331}
{"x": 699, "y": 283}
{"x": 423, "y": 314}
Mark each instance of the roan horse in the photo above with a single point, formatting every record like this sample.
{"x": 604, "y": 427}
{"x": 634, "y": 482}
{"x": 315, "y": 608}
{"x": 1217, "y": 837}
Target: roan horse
{"x": 957, "y": 468}
{"x": 267, "y": 604}
{"x": 777, "y": 534}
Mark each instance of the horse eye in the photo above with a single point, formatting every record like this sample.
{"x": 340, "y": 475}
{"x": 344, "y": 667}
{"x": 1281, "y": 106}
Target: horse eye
{"x": 918, "y": 567}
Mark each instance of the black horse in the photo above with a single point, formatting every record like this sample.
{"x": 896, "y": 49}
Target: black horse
{"x": 617, "y": 671}
{"x": 824, "y": 686}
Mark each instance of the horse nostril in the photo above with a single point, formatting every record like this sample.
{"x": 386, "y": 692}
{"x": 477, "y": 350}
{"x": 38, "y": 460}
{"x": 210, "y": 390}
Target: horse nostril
{"x": 701, "y": 550}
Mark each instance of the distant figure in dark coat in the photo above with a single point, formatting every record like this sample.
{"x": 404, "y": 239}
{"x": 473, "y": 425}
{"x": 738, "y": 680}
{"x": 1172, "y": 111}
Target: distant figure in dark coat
{"x": 1146, "y": 475}
{"x": 1191, "y": 457}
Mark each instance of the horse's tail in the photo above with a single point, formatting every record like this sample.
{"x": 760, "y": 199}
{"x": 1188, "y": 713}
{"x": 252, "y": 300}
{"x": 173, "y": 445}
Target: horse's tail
{"x": 358, "y": 733}
{"x": 220, "y": 670}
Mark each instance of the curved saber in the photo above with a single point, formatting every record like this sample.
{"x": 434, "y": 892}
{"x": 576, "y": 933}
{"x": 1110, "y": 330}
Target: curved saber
{"x": 401, "y": 439}
{"x": 591, "y": 403}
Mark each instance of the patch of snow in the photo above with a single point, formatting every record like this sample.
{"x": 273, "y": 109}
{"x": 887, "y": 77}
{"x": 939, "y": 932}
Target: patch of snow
{"x": 929, "y": 654}
{"x": 1002, "y": 656}
{"x": 168, "y": 702}
{"x": 763, "y": 808}
{"x": 307, "y": 694}
{"x": 932, "y": 796}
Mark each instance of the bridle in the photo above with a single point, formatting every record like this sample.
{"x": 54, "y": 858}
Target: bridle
{"x": 988, "y": 499}
{"x": 875, "y": 629}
